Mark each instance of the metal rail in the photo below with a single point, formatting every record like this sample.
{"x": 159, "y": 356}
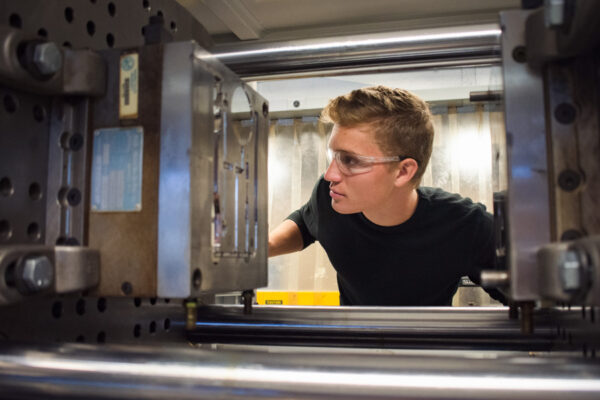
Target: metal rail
{"x": 390, "y": 327}
{"x": 448, "y": 46}
{"x": 110, "y": 372}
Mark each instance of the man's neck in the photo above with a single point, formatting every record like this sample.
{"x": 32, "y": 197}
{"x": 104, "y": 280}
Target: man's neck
{"x": 396, "y": 211}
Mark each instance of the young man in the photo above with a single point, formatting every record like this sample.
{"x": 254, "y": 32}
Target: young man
{"x": 390, "y": 241}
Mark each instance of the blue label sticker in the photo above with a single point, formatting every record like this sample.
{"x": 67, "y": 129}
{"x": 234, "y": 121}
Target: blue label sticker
{"x": 117, "y": 169}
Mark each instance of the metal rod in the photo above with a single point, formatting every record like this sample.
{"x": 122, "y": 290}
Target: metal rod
{"x": 400, "y": 327}
{"x": 476, "y": 43}
{"x": 110, "y": 372}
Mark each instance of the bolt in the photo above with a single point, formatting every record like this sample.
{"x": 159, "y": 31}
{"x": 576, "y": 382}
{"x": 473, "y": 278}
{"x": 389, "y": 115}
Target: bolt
{"x": 520, "y": 54}
{"x": 38, "y": 273}
{"x": 494, "y": 278}
{"x": 565, "y": 113}
{"x": 127, "y": 288}
{"x": 569, "y": 180}
{"x": 47, "y": 58}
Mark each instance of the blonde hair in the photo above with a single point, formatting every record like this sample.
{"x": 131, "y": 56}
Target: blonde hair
{"x": 401, "y": 121}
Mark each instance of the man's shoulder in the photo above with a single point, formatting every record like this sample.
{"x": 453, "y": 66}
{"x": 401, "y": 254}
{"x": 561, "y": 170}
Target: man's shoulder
{"x": 440, "y": 199}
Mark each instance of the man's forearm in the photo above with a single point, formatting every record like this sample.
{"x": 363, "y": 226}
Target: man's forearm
{"x": 285, "y": 238}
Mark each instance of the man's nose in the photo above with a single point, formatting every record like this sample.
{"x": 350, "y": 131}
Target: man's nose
{"x": 333, "y": 173}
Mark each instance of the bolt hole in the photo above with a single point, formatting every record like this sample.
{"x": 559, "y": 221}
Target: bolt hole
{"x": 146, "y": 4}
{"x": 69, "y": 14}
{"x": 71, "y": 242}
{"x": 69, "y": 197}
{"x": 520, "y": 54}
{"x": 10, "y": 103}
{"x": 15, "y": 21}
{"x": 110, "y": 40}
{"x": 137, "y": 302}
{"x": 57, "y": 309}
{"x": 6, "y": 187}
{"x": 35, "y": 191}
{"x": 126, "y": 288}
{"x": 91, "y": 28}
{"x": 197, "y": 278}
{"x": 67, "y": 44}
{"x": 5, "y": 230}
{"x": 112, "y": 9}
{"x": 76, "y": 142}
{"x": 80, "y": 307}
{"x": 42, "y": 33}
{"x": 167, "y": 325}
{"x": 173, "y": 26}
{"x": 137, "y": 330}
{"x": 143, "y": 31}
{"x": 265, "y": 110}
{"x": 101, "y": 304}
{"x": 152, "y": 328}
{"x": 39, "y": 113}
{"x": 159, "y": 13}
{"x": 9, "y": 275}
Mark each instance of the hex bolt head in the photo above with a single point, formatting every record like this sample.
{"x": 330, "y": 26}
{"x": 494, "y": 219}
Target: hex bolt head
{"x": 47, "y": 58}
{"x": 569, "y": 180}
{"x": 38, "y": 273}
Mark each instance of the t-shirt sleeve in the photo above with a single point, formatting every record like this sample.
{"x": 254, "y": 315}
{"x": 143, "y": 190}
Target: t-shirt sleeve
{"x": 484, "y": 252}
{"x": 306, "y": 217}
{"x": 298, "y": 217}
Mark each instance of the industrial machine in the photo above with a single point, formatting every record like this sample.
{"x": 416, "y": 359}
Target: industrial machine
{"x": 133, "y": 189}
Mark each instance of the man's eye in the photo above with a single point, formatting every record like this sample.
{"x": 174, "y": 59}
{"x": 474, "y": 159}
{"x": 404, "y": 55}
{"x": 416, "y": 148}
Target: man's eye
{"x": 349, "y": 160}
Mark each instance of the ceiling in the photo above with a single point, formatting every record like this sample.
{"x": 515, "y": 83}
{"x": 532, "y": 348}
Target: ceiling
{"x": 229, "y": 21}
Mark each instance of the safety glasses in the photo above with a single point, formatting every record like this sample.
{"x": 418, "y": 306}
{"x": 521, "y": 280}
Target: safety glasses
{"x": 353, "y": 164}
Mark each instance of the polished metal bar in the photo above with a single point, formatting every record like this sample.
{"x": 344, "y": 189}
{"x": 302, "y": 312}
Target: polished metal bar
{"x": 389, "y": 327}
{"x": 111, "y": 372}
{"x": 474, "y": 44}
{"x": 528, "y": 208}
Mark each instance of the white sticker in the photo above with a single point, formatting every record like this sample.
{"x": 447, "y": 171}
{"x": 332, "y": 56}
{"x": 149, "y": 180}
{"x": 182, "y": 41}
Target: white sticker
{"x": 128, "y": 86}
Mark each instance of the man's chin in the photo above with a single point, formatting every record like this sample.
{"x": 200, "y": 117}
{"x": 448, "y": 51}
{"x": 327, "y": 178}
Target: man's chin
{"x": 339, "y": 208}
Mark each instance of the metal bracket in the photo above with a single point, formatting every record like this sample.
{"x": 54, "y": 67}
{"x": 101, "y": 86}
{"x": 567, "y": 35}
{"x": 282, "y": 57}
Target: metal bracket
{"x": 69, "y": 72}
{"x": 32, "y": 270}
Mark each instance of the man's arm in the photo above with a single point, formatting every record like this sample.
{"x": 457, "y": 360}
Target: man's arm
{"x": 285, "y": 238}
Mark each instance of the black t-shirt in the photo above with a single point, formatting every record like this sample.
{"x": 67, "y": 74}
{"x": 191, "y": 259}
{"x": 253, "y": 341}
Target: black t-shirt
{"x": 419, "y": 262}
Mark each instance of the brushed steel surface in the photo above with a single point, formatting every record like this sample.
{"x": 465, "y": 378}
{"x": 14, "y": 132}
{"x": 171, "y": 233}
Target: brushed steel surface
{"x": 107, "y": 372}
{"x": 23, "y": 167}
{"x": 68, "y": 23}
{"x": 67, "y": 170}
{"x": 528, "y": 209}
{"x": 213, "y": 186}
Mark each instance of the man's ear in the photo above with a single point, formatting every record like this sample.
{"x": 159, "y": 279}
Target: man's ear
{"x": 406, "y": 171}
